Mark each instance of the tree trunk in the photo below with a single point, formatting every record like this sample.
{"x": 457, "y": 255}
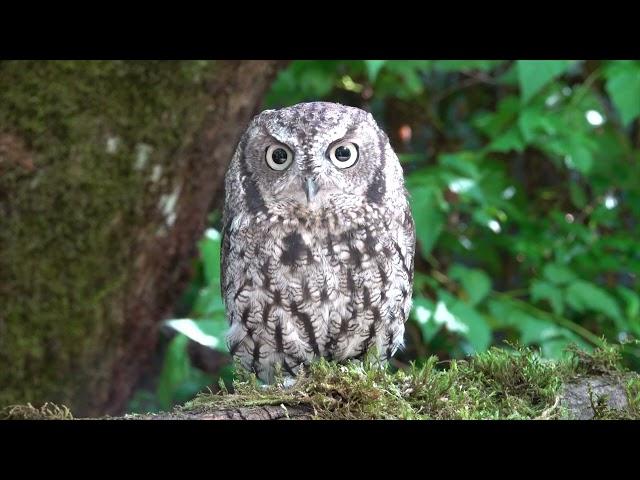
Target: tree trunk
{"x": 107, "y": 173}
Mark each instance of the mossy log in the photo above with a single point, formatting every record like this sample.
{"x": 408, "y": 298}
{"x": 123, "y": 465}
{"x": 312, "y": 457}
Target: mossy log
{"x": 108, "y": 170}
{"x": 498, "y": 384}
{"x": 583, "y": 399}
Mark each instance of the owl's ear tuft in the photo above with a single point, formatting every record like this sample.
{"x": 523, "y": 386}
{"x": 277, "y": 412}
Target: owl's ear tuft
{"x": 261, "y": 114}
{"x": 373, "y": 121}
{"x": 256, "y": 119}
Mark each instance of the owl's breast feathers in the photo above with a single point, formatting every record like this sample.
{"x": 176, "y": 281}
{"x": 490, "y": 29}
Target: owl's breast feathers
{"x": 303, "y": 284}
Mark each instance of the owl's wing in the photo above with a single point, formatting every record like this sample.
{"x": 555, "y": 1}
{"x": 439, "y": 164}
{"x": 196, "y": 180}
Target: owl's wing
{"x": 406, "y": 251}
{"x": 410, "y": 236}
{"x": 224, "y": 255}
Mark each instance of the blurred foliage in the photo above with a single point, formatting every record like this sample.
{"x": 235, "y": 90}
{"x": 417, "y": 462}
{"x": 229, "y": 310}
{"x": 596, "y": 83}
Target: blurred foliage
{"x": 524, "y": 179}
{"x": 179, "y": 379}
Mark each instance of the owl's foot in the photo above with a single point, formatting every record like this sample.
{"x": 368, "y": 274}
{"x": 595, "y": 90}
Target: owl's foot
{"x": 279, "y": 380}
{"x": 288, "y": 382}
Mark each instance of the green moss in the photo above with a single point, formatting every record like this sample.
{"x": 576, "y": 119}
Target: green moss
{"x": 497, "y": 384}
{"x": 605, "y": 360}
{"x": 48, "y": 411}
{"x": 633, "y": 395}
{"x": 66, "y": 227}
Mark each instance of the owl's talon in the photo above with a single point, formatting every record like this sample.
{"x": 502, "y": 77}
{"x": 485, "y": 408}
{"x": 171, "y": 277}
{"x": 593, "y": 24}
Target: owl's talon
{"x": 289, "y": 382}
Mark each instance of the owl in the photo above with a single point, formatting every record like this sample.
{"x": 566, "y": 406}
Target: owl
{"x": 318, "y": 240}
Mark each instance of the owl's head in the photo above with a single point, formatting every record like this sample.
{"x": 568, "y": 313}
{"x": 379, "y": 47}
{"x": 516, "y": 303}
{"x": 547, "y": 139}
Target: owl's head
{"x": 312, "y": 155}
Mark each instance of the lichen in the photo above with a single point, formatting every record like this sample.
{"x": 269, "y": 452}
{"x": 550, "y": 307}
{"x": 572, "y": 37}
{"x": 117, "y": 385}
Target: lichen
{"x": 66, "y": 225}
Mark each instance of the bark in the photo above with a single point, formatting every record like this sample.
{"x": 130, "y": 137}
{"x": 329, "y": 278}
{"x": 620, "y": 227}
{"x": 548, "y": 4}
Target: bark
{"x": 581, "y": 396}
{"x": 268, "y": 412}
{"x": 107, "y": 173}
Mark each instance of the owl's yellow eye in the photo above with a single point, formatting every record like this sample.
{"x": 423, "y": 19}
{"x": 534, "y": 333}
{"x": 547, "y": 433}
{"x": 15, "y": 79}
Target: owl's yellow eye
{"x": 344, "y": 154}
{"x": 278, "y": 157}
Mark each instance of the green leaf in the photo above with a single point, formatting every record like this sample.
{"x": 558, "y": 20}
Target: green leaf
{"x": 463, "y": 186}
{"x": 623, "y": 85}
{"x": 422, "y": 313}
{"x": 208, "y": 303}
{"x": 215, "y": 328}
{"x": 402, "y": 78}
{"x": 546, "y": 291}
{"x": 428, "y": 217}
{"x": 534, "y": 122}
{"x": 481, "y": 217}
{"x": 179, "y": 380}
{"x": 195, "y": 383}
{"x": 373, "y": 68}
{"x": 533, "y": 330}
{"x": 464, "y": 65}
{"x": 496, "y": 122}
{"x": 578, "y": 195}
{"x": 555, "y": 349}
{"x": 632, "y": 308}
{"x": 533, "y": 75}
{"x": 175, "y": 370}
{"x": 210, "y": 252}
{"x": 509, "y": 77}
{"x": 558, "y": 274}
{"x": 581, "y": 157}
{"x": 583, "y": 296}
{"x": 479, "y": 334}
{"x": 209, "y": 332}
{"x": 632, "y": 301}
{"x": 304, "y": 80}
{"x": 476, "y": 283}
{"x": 458, "y": 313}
{"x": 509, "y": 140}
{"x": 465, "y": 163}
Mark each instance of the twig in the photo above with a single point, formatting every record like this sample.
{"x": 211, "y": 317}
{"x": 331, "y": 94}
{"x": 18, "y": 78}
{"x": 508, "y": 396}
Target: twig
{"x": 565, "y": 322}
{"x": 546, "y": 414}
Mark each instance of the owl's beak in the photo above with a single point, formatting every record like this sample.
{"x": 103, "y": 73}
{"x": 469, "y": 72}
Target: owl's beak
{"x": 310, "y": 188}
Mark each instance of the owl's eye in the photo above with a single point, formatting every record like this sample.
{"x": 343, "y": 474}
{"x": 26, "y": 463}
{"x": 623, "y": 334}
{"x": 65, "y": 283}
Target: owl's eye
{"x": 344, "y": 154}
{"x": 279, "y": 157}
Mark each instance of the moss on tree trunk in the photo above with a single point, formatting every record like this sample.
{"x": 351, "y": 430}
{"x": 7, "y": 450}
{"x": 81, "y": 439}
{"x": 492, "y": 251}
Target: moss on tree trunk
{"x": 107, "y": 172}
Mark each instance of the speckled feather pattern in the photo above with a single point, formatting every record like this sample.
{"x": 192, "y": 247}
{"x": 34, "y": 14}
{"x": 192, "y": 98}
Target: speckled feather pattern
{"x": 331, "y": 277}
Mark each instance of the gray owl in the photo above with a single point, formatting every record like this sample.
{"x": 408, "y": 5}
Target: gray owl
{"x": 318, "y": 240}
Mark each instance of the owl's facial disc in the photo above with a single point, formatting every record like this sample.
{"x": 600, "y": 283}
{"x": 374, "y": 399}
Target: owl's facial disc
{"x": 315, "y": 174}
{"x": 316, "y": 155}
